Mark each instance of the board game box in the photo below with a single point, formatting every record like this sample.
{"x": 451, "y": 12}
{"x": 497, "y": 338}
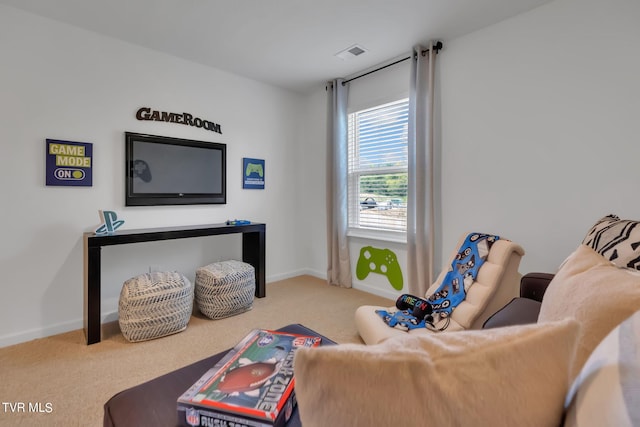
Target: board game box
{"x": 252, "y": 385}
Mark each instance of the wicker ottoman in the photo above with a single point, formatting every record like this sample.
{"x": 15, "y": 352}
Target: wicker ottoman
{"x": 225, "y": 288}
{"x": 154, "y": 305}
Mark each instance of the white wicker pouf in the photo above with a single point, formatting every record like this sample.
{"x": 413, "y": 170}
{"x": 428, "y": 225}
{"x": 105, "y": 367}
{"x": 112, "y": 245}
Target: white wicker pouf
{"x": 225, "y": 288}
{"x": 154, "y": 305}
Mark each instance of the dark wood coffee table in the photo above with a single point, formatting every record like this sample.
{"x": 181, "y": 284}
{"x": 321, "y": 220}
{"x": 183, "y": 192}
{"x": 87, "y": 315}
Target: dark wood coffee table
{"x": 154, "y": 403}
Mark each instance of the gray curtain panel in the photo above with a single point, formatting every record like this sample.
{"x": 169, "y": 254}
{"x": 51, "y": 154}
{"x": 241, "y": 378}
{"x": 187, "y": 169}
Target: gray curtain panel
{"x": 420, "y": 203}
{"x": 338, "y": 262}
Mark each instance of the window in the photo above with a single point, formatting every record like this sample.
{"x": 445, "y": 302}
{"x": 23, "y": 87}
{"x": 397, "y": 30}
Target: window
{"x": 378, "y": 167}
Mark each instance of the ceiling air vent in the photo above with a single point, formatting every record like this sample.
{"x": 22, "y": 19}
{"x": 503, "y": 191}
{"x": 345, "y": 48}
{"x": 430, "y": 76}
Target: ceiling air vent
{"x": 351, "y": 52}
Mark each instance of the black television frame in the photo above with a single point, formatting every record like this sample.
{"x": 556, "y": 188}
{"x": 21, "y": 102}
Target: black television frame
{"x": 158, "y": 199}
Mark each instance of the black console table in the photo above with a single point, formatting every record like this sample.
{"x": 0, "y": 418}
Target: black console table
{"x": 253, "y": 252}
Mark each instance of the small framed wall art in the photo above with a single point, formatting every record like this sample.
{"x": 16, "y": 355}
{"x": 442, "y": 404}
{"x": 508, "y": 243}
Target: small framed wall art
{"x": 253, "y": 173}
{"x": 69, "y": 163}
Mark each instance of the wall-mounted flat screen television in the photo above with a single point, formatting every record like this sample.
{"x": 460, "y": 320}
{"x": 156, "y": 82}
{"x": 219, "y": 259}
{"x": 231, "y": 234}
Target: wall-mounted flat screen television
{"x": 172, "y": 171}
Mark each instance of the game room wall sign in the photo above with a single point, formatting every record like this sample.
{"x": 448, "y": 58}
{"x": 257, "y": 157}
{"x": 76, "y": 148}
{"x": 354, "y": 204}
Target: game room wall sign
{"x": 146, "y": 113}
{"x": 69, "y": 163}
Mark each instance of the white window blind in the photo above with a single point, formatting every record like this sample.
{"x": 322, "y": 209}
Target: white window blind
{"x": 378, "y": 167}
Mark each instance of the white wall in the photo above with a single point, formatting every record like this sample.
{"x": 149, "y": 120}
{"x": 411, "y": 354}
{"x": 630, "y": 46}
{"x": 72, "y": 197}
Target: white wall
{"x": 539, "y": 127}
{"x": 61, "y": 82}
{"x": 541, "y": 111}
{"x": 311, "y": 214}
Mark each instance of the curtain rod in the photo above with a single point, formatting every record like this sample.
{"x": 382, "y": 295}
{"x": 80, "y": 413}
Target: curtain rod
{"x": 436, "y": 48}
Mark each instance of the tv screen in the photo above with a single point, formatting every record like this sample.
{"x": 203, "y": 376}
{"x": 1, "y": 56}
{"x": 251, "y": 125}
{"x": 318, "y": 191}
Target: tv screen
{"x": 173, "y": 171}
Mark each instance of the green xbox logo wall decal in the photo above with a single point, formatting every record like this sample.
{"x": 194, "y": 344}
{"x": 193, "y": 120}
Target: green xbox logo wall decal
{"x": 380, "y": 261}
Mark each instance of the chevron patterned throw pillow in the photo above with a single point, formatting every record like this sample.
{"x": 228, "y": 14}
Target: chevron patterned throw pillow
{"x": 618, "y": 240}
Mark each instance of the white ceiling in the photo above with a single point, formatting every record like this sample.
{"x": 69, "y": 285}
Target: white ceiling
{"x": 287, "y": 43}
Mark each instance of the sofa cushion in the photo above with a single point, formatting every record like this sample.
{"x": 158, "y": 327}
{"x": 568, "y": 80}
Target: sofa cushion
{"x": 618, "y": 240}
{"x": 520, "y": 311}
{"x": 516, "y": 375}
{"x": 593, "y": 291}
{"x": 607, "y": 390}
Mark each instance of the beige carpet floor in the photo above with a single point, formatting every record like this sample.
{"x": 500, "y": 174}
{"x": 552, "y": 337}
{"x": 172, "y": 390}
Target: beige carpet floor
{"x": 67, "y": 382}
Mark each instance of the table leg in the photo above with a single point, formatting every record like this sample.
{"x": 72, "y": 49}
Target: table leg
{"x": 253, "y": 252}
{"x": 92, "y": 293}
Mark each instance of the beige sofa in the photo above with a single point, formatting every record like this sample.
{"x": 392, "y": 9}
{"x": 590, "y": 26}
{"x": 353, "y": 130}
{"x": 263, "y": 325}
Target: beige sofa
{"x": 578, "y": 365}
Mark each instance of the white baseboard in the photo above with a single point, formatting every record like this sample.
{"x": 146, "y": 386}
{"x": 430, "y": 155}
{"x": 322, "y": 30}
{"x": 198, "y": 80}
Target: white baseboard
{"x": 33, "y": 334}
{"x": 56, "y": 329}
{"x": 108, "y": 315}
{"x": 392, "y": 295}
{"x": 295, "y": 273}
